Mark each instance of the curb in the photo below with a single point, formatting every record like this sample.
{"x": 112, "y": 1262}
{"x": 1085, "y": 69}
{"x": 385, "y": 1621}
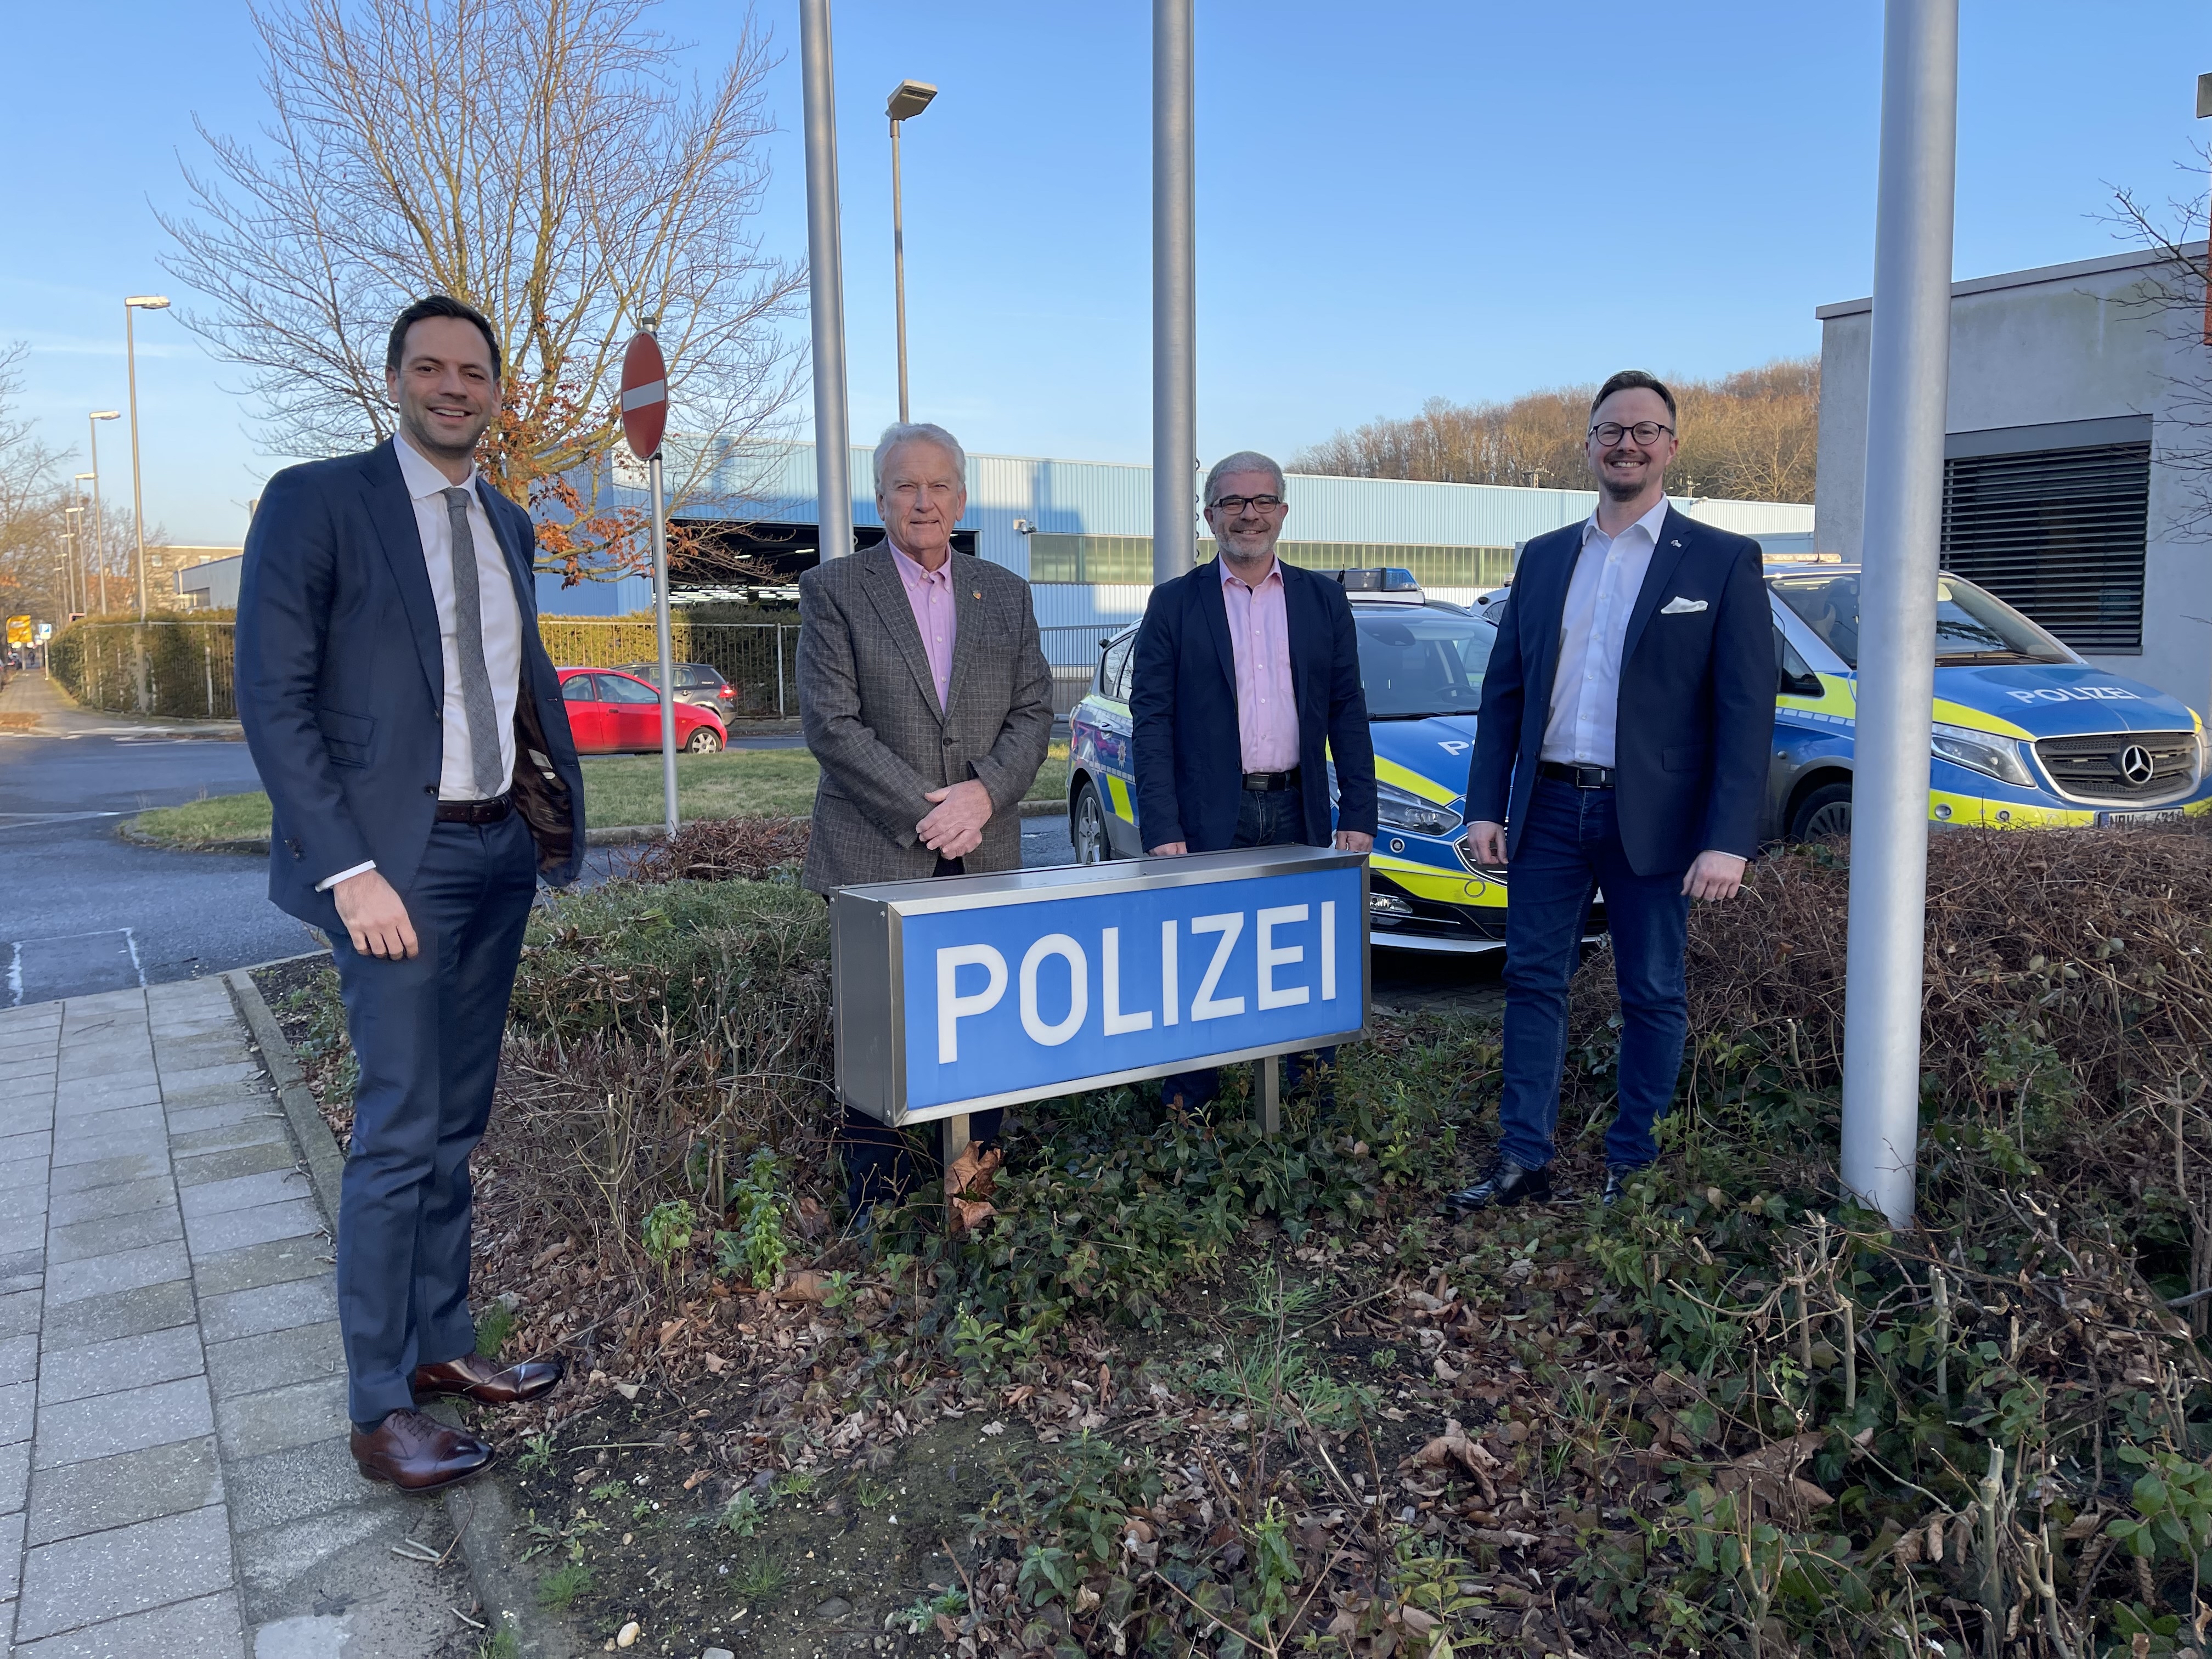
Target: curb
{"x": 478, "y": 1511}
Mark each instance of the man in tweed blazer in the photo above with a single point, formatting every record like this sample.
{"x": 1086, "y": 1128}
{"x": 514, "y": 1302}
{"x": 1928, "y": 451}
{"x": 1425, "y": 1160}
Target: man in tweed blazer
{"x": 925, "y": 696}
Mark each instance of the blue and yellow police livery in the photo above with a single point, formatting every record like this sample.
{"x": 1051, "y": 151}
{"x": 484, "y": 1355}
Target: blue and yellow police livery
{"x": 2027, "y": 734}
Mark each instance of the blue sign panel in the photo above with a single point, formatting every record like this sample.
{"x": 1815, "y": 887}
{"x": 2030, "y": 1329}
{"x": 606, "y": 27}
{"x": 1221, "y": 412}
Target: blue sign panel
{"x": 1018, "y": 998}
{"x": 967, "y": 992}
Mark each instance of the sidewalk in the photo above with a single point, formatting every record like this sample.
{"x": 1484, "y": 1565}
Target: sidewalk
{"x": 174, "y": 1472}
{"x": 31, "y": 703}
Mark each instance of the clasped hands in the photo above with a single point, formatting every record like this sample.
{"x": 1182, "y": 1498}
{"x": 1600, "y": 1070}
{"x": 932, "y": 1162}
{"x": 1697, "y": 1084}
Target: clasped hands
{"x": 954, "y": 826}
{"x": 1711, "y": 875}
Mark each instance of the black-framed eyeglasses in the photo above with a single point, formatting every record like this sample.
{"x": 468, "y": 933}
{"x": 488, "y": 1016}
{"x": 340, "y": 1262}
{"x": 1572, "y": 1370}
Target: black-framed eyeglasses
{"x": 1236, "y": 504}
{"x": 1644, "y": 432}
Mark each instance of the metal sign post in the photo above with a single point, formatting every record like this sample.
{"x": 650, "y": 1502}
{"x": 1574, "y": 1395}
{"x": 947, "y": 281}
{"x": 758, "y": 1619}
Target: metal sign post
{"x": 645, "y": 423}
{"x": 825, "y": 261}
{"x": 1175, "y": 286}
{"x": 1909, "y": 380}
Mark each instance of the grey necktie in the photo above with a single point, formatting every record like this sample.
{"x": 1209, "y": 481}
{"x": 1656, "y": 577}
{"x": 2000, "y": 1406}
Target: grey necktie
{"x": 468, "y": 646}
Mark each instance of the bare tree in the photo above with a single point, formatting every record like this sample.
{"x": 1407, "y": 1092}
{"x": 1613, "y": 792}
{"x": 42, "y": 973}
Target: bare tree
{"x": 541, "y": 160}
{"x": 30, "y": 504}
{"x": 2173, "y": 295}
{"x": 1751, "y": 436}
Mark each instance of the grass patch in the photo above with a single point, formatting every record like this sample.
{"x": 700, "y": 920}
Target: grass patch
{"x": 564, "y": 1584}
{"x": 619, "y": 790}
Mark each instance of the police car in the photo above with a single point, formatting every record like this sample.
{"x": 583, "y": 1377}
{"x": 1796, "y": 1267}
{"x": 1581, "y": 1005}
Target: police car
{"x": 2027, "y": 734}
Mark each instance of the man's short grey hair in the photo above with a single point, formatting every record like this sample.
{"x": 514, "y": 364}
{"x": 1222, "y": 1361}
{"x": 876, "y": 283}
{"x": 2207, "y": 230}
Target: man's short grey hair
{"x": 920, "y": 431}
{"x": 1245, "y": 460}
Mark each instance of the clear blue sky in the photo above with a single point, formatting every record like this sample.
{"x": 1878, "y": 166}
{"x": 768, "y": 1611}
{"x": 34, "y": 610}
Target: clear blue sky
{"x": 1395, "y": 202}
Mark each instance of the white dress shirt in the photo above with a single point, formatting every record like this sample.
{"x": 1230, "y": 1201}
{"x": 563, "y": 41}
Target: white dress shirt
{"x": 1593, "y": 625}
{"x": 502, "y": 626}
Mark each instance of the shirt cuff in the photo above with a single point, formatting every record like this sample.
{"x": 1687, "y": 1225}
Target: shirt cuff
{"x": 329, "y": 882}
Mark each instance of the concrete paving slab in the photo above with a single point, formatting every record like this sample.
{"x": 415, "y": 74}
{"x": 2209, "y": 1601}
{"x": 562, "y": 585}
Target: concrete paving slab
{"x": 268, "y": 1308}
{"x": 243, "y": 1192}
{"x": 75, "y": 1499}
{"x": 23, "y": 1233}
{"x": 20, "y": 1312}
{"x": 279, "y": 1419}
{"x": 106, "y": 1172}
{"x": 18, "y": 1403}
{"x": 29, "y": 1144}
{"x": 80, "y": 1241}
{"x": 262, "y": 1127}
{"x": 255, "y": 1158}
{"x": 15, "y": 1476}
{"x": 19, "y": 1357}
{"x": 125, "y": 1362}
{"x": 77, "y": 1430}
{"x": 122, "y": 1312}
{"x": 278, "y": 1262}
{"x": 284, "y": 1486}
{"x": 233, "y": 1229}
{"x": 207, "y": 1627}
{"x": 104, "y": 1575}
{"x": 125, "y": 1198}
{"x": 125, "y": 1270}
{"x": 217, "y": 1112}
{"x": 275, "y": 1359}
{"x": 27, "y": 1172}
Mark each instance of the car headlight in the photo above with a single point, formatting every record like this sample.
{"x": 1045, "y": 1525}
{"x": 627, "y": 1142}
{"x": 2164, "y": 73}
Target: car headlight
{"x": 1401, "y": 809}
{"x": 1999, "y": 758}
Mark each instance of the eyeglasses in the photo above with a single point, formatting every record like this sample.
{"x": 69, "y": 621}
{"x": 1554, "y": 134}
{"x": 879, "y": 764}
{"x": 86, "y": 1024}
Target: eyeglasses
{"x": 1233, "y": 505}
{"x": 1609, "y": 433}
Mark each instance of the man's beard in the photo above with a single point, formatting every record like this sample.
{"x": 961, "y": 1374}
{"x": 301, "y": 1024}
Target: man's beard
{"x": 1620, "y": 491}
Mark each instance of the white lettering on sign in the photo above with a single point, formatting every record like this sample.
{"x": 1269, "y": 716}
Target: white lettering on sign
{"x": 2076, "y": 693}
{"x": 1328, "y": 950}
{"x": 1079, "y": 989}
{"x": 1452, "y": 745}
{"x": 1169, "y": 993}
{"x": 1206, "y": 1004}
{"x": 951, "y": 1006}
{"x": 1273, "y": 955}
{"x": 1116, "y": 1023}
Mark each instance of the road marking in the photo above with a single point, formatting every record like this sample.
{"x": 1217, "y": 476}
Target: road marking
{"x": 137, "y": 969}
{"x": 24, "y": 820}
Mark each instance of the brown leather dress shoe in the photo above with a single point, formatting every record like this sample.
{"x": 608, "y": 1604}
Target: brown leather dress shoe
{"x": 485, "y": 1381}
{"x": 417, "y": 1453}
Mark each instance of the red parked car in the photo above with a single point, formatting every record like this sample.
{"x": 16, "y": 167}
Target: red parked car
{"x": 612, "y": 713}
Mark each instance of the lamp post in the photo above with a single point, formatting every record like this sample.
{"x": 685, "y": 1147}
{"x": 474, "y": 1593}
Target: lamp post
{"x": 85, "y": 544}
{"x": 71, "y": 580}
{"x": 98, "y": 527}
{"x": 907, "y": 99}
{"x": 825, "y": 276}
{"x": 1174, "y": 285}
{"x": 136, "y": 303}
{"x": 2204, "y": 109}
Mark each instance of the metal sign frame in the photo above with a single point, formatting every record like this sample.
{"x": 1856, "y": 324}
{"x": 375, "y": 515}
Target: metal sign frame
{"x": 866, "y": 924}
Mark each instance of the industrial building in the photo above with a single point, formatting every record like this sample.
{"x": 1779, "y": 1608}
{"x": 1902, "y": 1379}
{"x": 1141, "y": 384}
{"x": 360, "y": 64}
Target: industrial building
{"x": 1081, "y": 531}
{"x": 2076, "y": 464}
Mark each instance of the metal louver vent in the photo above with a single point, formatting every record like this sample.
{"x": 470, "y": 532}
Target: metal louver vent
{"x": 2058, "y": 533}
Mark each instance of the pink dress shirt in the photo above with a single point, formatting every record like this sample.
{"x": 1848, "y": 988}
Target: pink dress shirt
{"x": 1260, "y": 636}
{"x": 930, "y": 594}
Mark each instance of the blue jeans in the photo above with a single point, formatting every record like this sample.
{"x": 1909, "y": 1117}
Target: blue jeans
{"x": 426, "y": 1032}
{"x": 1571, "y": 847}
{"x": 1268, "y": 818}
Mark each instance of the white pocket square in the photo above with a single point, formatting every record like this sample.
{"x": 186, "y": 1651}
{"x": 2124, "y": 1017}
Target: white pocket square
{"x": 1680, "y": 607}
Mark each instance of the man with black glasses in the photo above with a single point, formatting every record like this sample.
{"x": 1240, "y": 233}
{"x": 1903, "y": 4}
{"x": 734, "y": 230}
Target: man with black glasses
{"x": 1246, "y": 682}
{"x": 1626, "y": 712}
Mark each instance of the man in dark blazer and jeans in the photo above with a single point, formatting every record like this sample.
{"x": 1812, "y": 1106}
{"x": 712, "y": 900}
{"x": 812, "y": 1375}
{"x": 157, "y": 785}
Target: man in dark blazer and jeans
{"x": 1626, "y": 711}
{"x": 1246, "y": 684}
{"x": 409, "y": 729}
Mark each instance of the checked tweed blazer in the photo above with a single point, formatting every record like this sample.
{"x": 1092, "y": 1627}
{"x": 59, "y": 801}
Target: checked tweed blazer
{"x": 868, "y": 706}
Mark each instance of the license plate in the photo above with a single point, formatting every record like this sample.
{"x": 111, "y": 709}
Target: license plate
{"x": 2171, "y": 814}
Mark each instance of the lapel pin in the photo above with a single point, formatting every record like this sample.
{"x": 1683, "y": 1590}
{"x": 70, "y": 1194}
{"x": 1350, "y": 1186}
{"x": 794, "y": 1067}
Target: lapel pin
{"x": 979, "y": 592}
{"x": 1677, "y": 541}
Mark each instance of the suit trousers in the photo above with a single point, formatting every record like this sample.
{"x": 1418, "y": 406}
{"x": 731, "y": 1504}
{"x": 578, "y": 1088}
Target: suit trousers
{"x": 1264, "y": 818}
{"x": 879, "y": 1162}
{"x": 1570, "y": 849}
{"x": 426, "y": 1033}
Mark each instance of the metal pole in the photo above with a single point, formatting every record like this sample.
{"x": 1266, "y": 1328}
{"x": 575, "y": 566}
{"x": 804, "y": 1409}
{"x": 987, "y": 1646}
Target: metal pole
{"x": 1907, "y": 386}
{"x": 826, "y": 284}
{"x": 137, "y": 494}
{"x": 779, "y": 670}
{"x": 1174, "y": 326}
{"x": 98, "y": 527}
{"x": 898, "y": 268}
{"x": 660, "y": 639}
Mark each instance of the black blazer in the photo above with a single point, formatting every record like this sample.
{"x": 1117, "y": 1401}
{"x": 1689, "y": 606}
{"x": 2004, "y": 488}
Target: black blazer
{"x": 1183, "y": 712}
{"x": 1697, "y": 696}
{"x": 341, "y": 685}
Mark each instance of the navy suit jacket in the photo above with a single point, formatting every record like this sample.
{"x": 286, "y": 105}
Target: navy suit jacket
{"x": 341, "y": 684}
{"x": 1183, "y": 712}
{"x": 1697, "y": 696}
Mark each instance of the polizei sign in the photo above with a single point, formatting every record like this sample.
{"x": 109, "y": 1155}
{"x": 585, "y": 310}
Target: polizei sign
{"x": 967, "y": 992}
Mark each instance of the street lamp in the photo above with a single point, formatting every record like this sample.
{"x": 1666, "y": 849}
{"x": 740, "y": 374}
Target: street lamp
{"x": 99, "y": 529}
{"x": 908, "y": 99}
{"x": 84, "y": 546}
{"x": 70, "y": 581}
{"x": 137, "y": 303}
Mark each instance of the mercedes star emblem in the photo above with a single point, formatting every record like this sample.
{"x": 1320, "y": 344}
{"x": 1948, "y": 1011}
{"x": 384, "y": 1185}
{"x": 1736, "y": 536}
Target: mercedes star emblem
{"x": 2136, "y": 764}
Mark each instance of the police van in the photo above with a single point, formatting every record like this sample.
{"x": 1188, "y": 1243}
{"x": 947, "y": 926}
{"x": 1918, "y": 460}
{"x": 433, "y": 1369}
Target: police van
{"x": 2027, "y": 734}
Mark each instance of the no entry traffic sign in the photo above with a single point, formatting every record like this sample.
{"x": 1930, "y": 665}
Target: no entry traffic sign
{"x": 644, "y": 395}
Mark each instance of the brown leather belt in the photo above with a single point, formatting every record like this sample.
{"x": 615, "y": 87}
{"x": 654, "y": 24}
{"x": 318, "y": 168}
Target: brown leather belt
{"x": 1265, "y": 783}
{"x": 1583, "y": 777}
{"x": 474, "y": 812}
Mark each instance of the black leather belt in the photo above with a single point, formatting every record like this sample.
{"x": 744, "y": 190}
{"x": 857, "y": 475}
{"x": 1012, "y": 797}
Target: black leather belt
{"x": 1583, "y": 777}
{"x": 474, "y": 812}
{"x": 1267, "y": 782}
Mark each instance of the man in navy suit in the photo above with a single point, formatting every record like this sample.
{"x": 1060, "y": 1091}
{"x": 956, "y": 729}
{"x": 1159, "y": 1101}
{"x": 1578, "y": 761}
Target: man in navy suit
{"x": 1622, "y": 747}
{"x": 409, "y": 729}
{"x": 1247, "y": 682}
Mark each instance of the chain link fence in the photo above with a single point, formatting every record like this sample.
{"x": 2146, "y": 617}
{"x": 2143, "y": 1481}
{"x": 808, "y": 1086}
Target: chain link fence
{"x": 164, "y": 666}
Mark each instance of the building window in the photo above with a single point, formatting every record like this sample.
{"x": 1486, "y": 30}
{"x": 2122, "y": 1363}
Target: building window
{"x": 2059, "y": 534}
{"x": 1128, "y": 559}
